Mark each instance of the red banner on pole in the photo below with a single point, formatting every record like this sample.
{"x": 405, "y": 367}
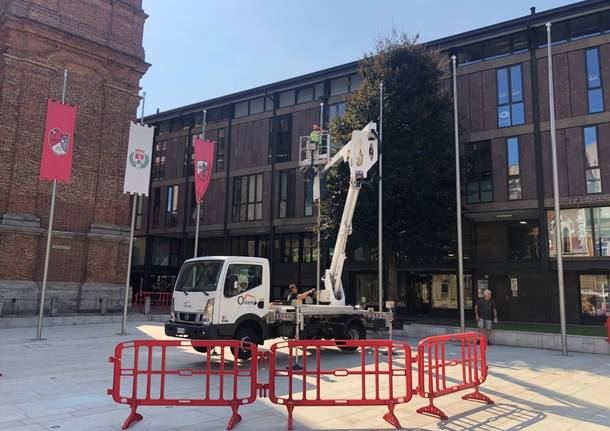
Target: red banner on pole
{"x": 204, "y": 156}
{"x": 58, "y": 142}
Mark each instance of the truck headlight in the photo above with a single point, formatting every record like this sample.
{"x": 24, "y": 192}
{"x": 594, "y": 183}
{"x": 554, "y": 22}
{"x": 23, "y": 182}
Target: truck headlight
{"x": 172, "y": 311}
{"x": 208, "y": 311}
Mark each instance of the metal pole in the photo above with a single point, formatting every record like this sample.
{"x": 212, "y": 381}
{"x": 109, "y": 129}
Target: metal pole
{"x": 134, "y": 210}
{"x": 380, "y": 218}
{"x": 198, "y": 203}
{"x": 49, "y": 233}
{"x": 319, "y": 209}
{"x": 458, "y": 198}
{"x": 558, "y": 240}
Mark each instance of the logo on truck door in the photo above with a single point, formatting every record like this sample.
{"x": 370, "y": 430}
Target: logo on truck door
{"x": 246, "y": 299}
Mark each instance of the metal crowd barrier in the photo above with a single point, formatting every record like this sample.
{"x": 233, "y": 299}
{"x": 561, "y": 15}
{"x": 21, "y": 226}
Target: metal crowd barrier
{"x": 376, "y": 373}
{"x": 439, "y": 374}
{"x": 143, "y": 377}
{"x": 160, "y": 299}
{"x": 385, "y": 383}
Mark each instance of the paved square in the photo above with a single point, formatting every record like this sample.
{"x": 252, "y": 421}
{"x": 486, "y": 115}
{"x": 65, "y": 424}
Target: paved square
{"x": 60, "y": 384}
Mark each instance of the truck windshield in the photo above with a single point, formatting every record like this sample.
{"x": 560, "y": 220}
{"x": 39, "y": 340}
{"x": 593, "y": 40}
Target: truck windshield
{"x": 199, "y": 276}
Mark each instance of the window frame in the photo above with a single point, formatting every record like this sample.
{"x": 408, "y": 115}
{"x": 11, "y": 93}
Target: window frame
{"x": 286, "y": 183}
{"x": 591, "y": 168}
{"x": 510, "y": 102}
{"x": 238, "y": 207}
{"x": 600, "y": 87}
{"x": 479, "y": 178}
{"x": 220, "y": 150}
{"x": 254, "y": 286}
{"x": 510, "y": 177}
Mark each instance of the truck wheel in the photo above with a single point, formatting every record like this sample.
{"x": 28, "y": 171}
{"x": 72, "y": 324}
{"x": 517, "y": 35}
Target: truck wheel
{"x": 245, "y": 335}
{"x": 200, "y": 349}
{"x": 353, "y": 332}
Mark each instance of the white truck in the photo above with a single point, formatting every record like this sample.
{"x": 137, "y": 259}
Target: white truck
{"x": 228, "y": 297}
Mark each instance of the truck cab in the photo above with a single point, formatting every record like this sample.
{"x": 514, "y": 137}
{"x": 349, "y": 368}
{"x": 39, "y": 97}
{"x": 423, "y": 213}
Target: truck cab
{"x": 220, "y": 297}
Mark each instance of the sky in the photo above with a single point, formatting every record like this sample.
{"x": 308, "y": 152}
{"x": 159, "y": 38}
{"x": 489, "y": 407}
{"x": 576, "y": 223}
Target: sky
{"x": 200, "y": 49}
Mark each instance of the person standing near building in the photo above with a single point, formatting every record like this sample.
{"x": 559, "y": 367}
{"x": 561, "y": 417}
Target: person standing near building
{"x": 486, "y": 313}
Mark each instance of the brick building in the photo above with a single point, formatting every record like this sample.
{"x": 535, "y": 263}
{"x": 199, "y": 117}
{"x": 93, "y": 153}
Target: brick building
{"x": 99, "y": 42}
{"x": 259, "y": 204}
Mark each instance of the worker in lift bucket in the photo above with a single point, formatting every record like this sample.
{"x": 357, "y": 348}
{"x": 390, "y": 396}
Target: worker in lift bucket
{"x": 314, "y": 136}
{"x": 294, "y": 293}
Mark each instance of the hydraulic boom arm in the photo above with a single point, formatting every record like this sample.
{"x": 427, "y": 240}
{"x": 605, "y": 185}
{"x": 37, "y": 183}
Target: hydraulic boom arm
{"x": 361, "y": 154}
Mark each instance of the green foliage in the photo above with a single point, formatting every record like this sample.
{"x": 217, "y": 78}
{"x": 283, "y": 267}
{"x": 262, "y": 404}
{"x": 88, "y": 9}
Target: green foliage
{"x": 418, "y": 158}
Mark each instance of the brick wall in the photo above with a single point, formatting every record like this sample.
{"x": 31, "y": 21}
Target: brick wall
{"x": 99, "y": 42}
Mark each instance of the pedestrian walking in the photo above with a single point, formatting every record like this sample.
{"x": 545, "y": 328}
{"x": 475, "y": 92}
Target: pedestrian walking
{"x": 486, "y": 313}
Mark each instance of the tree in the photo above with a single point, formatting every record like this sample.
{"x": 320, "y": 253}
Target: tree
{"x": 418, "y": 157}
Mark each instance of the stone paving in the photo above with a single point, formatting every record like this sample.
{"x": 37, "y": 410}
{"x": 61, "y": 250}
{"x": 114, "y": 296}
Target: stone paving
{"x": 60, "y": 384}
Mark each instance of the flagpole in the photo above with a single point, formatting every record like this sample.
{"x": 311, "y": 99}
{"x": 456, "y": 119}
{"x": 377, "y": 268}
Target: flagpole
{"x": 199, "y": 203}
{"x": 458, "y": 198}
{"x": 380, "y": 218}
{"x": 49, "y": 233}
{"x": 131, "y": 231}
{"x": 558, "y": 240}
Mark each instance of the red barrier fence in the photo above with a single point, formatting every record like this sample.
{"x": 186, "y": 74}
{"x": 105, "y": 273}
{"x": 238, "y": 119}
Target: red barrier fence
{"x": 376, "y": 383}
{"x": 440, "y": 375}
{"x": 377, "y": 373}
{"x": 160, "y": 299}
{"x": 144, "y": 376}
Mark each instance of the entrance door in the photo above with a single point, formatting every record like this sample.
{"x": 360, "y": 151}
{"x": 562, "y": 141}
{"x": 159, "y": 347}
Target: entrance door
{"x": 413, "y": 294}
{"x": 500, "y": 289}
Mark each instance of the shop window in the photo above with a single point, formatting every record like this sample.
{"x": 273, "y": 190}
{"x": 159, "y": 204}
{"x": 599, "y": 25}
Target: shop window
{"x": 601, "y": 223}
{"x": 445, "y": 291}
{"x": 577, "y": 232}
{"x": 595, "y": 294}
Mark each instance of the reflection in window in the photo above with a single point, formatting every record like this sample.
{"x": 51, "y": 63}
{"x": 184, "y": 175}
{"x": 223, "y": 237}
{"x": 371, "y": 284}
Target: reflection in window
{"x": 171, "y": 206}
{"x": 248, "y": 198}
{"x": 595, "y": 294}
{"x": 523, "y": 240}
{"x": 478, "y": 174}
{"x": 594, "y": 82}
{"x": 252, "y": 246}
{"x": 139, "y": 250}
{"x": 577, "y": 232}
{"x": 242, "y": 277}
{"x": 286, "y": 194}
{"x": 283, "y": 145}
{"x": 165, "y": 251}
{"x": 601, "y": 221}
{"x": 510, "y": 96}
{"x": 308, "y": 197}
{"x": 514, "y": 174}
{"x": 445, "y": 291}
{"x": 592, "y": 171}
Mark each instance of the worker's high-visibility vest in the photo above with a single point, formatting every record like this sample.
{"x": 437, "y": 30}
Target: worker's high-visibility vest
{"x": 314, "y": 137}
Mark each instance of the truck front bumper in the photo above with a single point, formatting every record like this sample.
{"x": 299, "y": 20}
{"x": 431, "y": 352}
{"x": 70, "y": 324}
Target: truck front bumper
{"x": 190, "y": 330}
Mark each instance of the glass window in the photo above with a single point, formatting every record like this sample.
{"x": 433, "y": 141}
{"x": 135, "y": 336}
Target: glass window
{"x": 470, "y": 54}
{"x": 310, "y": 251}
{"x": 199, "y": 276}
{"x": 253, "y": 246}
{"x": 605, "y": 21}
{"x": 336, "y": 110}
{"x": 305, "y": 94}
{"x": 319, "y": 90}
{"x": 576, "y": 231}
{"x": 248, "y": 198}
{"x": 156, "y": 206}
{"x": 523, "y": 240}
{"x": 510, "y": 96}
{"x": 220, "y": 150}
{"x": 287, "y": 248}
{"x": 241, "y": 109}
{"x": 159, "y": 163}
{"x": 514, "y": 174}
{"x": 601, "y": 222}
{"x": 592, "y": 171}
{"x": 478, "y": 175}
{"x": 269, "y": 103}
{"x": 241, "y": 278}
{"x": 308, "y": 197}
{"x": 355, "y": 81}
{"x": 286, "y": 194}
{"x": 257, "y": 105}
{"x": 283, "y": 145}
{"x": 171, "y": 206}
{"x": 519, "y": 42}
{"x": 585, "y": 26}
{"x": 165, "y": 251}
{"x": 139, "y": 213}
{"x": 594, "y": 82}
{"x": 594, "y": 294}
{"x": 287, "y": 98}
{"x": 559, "y": 33}
{"x": 193, "y": 219}
{"x": 495, "y": 48}
{"x": 139, "y": 250}
{"x": 339, "y": 86}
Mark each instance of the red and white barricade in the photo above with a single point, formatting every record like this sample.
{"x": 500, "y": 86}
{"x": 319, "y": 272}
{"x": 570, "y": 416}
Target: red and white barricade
{"x": 451, "y": 363}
